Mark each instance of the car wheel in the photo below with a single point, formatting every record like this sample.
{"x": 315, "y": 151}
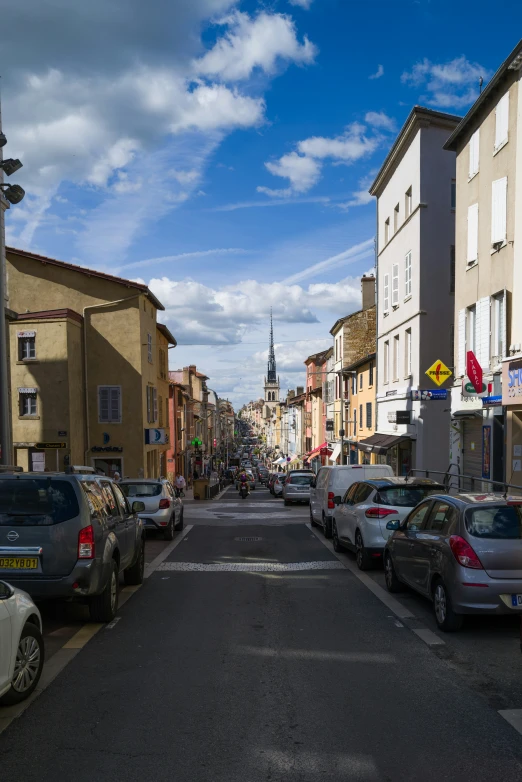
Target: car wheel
{"x": 447, "y": 620}
{"x": 28, "y": 665}
{"x": 103, "y": 607}
{"x": 168, "y": 532}
{"x": 361, "y": 555}
{"x": 392, "y": 582}
{"x": 335, "y": 537}
{"x": 134, "y": 574}
{"x": 181, "y": 523}
{"x": 327, "y": 527}
{"x": 313, "y": 522}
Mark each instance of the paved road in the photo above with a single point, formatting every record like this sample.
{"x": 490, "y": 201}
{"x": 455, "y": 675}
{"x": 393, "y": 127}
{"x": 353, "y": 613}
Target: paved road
{"x": 252, "y": 654}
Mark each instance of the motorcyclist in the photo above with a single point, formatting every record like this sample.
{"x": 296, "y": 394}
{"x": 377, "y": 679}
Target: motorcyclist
{"x": 244, "y": 481}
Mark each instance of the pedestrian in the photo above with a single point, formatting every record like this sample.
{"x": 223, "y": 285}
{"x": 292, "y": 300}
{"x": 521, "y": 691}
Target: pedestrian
{"x": 117, "y": 476}
{"x": 179, "y": 485}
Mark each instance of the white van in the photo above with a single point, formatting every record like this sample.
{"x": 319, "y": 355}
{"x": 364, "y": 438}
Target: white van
{"x": 333, "y": 482}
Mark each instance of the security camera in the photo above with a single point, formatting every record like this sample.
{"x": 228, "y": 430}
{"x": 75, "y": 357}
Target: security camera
{"x": 14, "y": 193}
{"x": 10, "y": 166}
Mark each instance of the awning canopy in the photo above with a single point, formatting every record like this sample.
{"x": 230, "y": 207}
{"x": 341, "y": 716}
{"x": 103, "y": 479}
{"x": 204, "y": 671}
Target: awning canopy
{"x": 279, "y": 461}
{"x": 317, "y": 452}
{"x": 335, "y": 453}
{"x": 380, "y": 443}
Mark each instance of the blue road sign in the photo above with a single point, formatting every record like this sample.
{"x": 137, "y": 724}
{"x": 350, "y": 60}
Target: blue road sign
{"x": 426, "y": 395}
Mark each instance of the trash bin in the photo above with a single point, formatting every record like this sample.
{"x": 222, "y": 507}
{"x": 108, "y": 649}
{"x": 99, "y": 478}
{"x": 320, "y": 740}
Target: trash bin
{"x": 200, "y": 488}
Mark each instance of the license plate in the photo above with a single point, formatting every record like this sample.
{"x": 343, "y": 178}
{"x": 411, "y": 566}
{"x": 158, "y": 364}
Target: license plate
{"x": 516, "y": 601}
{"x": 18, "y": 563}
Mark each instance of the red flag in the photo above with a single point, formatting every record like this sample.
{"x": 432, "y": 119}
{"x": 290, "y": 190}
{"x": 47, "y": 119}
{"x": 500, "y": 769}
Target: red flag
{"x": 474, "y": 371}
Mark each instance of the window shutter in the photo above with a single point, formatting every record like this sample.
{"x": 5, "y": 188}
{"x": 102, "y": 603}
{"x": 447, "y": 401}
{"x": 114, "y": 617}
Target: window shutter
{"x": 154, "y": 404}
{"x": 461, "y": 365}
{"x": 115, "y": 406}
{"x": 103, "y": 405}
{"x": 503, "y": 325}
{"x": 472, "y": 233}
{"x": 395, "y": 284}
{"x": 148, "y": 404}
{"x": 474, "y": 148}
{"x": 498, "y": 210}
{"x": 386, "y": 292}
{"x": 483, "y": 335}
{"x": 502, "y": 120}
{"x": 407, "y": 274}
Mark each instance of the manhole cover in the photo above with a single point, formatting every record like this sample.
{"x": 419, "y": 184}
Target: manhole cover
{"x": 248, "y": 540}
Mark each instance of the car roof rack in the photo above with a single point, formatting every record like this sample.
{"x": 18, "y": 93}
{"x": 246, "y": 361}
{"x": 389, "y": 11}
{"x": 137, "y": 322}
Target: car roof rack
{"x": 10, "y": 468}
{"x": 79, "y": 469}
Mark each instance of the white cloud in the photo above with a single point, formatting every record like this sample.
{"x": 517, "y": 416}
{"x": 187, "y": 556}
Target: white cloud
{"x": 303, "y": 173}
{"x": 277, "y": 202}
{"x": 291, "y": 357}
{"x": 356, "y": 253}
{"x": 301, "y": 3}
{"x": 379, "y": 72}
{"x": 352, "y": 145}
{"x": 379, "y": 119}
{"x": 450, "y": 84}
{"x": 250, "y": 43}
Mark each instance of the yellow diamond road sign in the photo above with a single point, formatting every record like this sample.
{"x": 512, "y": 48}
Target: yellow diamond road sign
{"x": 439, "y": 373}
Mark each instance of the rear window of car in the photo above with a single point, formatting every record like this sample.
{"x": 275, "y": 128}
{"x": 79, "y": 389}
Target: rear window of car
{"x": 37, "y": 502}
{"x": 141, "y": 489}
{"x": 498, "y": 522}
{"x": 301, "y": 480}
{"x": 405, "y": 496}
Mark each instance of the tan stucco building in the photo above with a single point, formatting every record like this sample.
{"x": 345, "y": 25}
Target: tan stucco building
{"x": 89, "y": 369}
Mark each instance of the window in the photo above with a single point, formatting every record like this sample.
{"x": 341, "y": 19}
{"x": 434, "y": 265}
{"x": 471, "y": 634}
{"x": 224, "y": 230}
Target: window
{"x": 386, "y": 292}
{"x": 407, "y": 352}
{"x": 109, "y": 404}
{"x": 497, "y": 522}
{"x": 452, "y": 347}
{"x": 387, "y": 231}
{"x": 396, "y": 357}
{"x": 453, "y": 195}
{"x": 350, "y": 494}
{"x": 162, "y": 364}
{"x": 472, "y": 233}
{"x": 354, "y": 385}
{"x": 361, "y": 417}
{"x": 441, "y": 517}
{"x": 47, "y": 501}
{"x": 160, "y": 412}
{"x": 471, "y": 329}
{"x": 354, "y": 421}
{"x": 395, "y": 219}
{"x": 362, "y": 493}
{"x": 416, "y": 518}
{"x": 452, "y": 268}
{"x": 152, "y": 404}
{"x": 474, "y": 146}
{"x": 386, "y": 371}
{"x": 407, "y": 275}
{"x": 498, "y": 326}
{"x": 501, "y": 121}
{"x": 149, "y": 348}
{"x": 395, "y": 285}
{"x": 120, "y": 499}
{"x": 360, "y": 380}
{"x": 368, "y": 415}
{"x": 407, "y": 203}
{"x": 26, "y": 345}
{"x": 370, "y": 374}
{"x": 498, "y": 210}
{"x": 27, "y": 402}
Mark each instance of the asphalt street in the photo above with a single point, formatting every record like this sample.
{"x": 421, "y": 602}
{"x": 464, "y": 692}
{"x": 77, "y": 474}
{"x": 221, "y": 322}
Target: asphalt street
{"x": 253, "y": 653}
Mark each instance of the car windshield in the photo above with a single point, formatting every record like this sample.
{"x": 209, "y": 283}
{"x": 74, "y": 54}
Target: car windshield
{"x": 499, "y": 521}
{"x": 141, "y": 489}
{"x": 36, "y": 502}
{"x": 405, "y": 496}
{"x": 301, "y": 480}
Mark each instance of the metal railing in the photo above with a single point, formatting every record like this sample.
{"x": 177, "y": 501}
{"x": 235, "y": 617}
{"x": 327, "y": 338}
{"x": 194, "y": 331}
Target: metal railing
{"x": 456, "y": 483}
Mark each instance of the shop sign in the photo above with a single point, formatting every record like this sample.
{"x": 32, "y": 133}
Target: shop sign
{"x": 25, "y": 334}
{"x": 486, "y": 451}
{"x": 44, "y": 446}
{"x": 62, "y": 433}
{"x": 107, "y": 449}
{"x": 439, "y": 373}
{"x": 492, "y": 401}
{"x": 512, "y": 382}
{"x": 329, "y": 425}
{"x": 468, "y": 389}
{"x": 427, "y": 395}
{"x": 403, "y": 417}
{"x": 156, "y": 436}
{"x": 474, "y": 371}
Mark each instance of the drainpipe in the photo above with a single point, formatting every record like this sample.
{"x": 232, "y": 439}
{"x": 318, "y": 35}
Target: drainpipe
{"x": 86, "y": 395}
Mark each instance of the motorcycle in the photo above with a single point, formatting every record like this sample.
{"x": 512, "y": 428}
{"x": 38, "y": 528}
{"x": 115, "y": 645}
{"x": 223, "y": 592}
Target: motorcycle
{"x": 243, "y": 490}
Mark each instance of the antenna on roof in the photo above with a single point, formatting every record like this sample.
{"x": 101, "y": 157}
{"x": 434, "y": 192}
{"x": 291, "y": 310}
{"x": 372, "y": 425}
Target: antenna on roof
{"x": 481, "y": 82}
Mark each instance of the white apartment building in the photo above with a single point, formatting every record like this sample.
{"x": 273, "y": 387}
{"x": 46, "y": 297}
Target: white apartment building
{"x": 487, "y": 427}
{"x": 415, "y": 190}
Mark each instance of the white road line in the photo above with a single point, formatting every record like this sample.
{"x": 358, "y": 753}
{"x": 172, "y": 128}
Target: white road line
{"x": 428, "y": 636}
{"x": 514, "y": 717}
{"x": 152, "y": 566}
{"x": 251, "y": 567}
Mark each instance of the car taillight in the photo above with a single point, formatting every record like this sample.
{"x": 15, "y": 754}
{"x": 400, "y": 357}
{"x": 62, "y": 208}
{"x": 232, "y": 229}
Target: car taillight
{"x": 379, "y": 513}
{"x": 164, "y": 504}
{"x": 463, "y": 553}
{"x": 86, "y": 543}
{"x": 331, "y": 503}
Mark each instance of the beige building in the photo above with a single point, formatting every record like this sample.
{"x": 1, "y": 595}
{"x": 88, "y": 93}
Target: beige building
{"x": 88, "y": 369}
{"x": 488, "y": 279}
{"x": 363, "y": 387}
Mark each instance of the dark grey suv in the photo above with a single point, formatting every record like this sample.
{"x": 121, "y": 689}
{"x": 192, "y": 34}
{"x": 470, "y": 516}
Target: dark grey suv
{"x": 70, "y": 536}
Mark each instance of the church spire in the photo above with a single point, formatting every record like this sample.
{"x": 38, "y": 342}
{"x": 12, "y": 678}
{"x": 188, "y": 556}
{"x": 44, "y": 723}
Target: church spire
{"x": 272, "y": 372}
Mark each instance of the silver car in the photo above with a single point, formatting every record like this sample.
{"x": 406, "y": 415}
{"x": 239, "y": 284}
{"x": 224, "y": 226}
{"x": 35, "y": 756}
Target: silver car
{"x": 361, "y": 518}
{"x": 279, "y": 482}
{"x": 464, "y": 553}
{"x": 297, "y": 487}
{"x": 163, "y": 510}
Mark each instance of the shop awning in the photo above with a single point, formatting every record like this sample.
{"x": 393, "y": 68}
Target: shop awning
{"x": 280, "y": 461}
{"x": 317, "y": 452}
{"x": 335, "y": 453}
{"x": 380, "y": 443}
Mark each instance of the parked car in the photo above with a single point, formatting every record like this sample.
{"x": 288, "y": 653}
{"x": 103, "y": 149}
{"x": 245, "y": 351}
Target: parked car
{"x": 334, "y": 482}
{"x": 279, "y": 482}
{"x": 163, "y": 510}
{"x": 271, "y": 481}
{"x": 70, "y": 536}
{"x": 463, "y": 552}
{"x": 21, "y": 645}
{"x": 251, "y": 479}
{"x": 262, "y": 474}
{"x": 297, "y": 487}
{"x": 361, "y": 517}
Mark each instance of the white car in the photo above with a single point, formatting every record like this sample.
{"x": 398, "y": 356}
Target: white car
{"x": 21, "y": 645}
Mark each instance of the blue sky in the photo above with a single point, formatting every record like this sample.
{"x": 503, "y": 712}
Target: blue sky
{"x": 221, "y": 151}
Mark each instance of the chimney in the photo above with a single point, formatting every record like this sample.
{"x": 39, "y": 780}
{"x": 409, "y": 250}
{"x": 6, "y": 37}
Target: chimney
{"x": 192, "y": 368}
{"x": 299, "y": 390}
{"x": 368, "y": 291}
{"x": 290, "y": 394}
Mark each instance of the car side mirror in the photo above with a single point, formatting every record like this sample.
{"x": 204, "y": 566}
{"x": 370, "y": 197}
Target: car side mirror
{"x": 6, "y": 591}
{"x": 393, "y": 524}
{"x": 337, "y": 500}
{"x": 138, "y": 506}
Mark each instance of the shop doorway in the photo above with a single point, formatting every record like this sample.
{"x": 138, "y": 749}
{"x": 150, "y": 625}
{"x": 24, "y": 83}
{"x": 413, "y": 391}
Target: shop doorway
{"x": 108, "y": 466}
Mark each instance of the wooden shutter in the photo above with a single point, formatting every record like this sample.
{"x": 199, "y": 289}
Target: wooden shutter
{"x": 502, "y": 304}
{"x": 472, "y": 233}
{"x": 474, "y": 147}
{"x": 501, "y": 120}
{"x": 395, "y": 284}
{"x": 483, "y": 332}
{"x": 160, "y": 412}
{"x": 386, "y": 292}
{"x": 498, "y": 210}
{"x": 115, "y": 405}
{"x": 149, "y": 405}
{"x": 103, "y": 404}
{"x": 461, "y": 358}
{"x": 154, "y": 405}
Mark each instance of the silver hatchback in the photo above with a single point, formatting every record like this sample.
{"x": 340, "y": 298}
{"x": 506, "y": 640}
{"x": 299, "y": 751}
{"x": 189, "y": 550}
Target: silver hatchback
{"x": 163, "y": 510}
{"x": 296, "y": 488}
{"x": 464, "y": 553}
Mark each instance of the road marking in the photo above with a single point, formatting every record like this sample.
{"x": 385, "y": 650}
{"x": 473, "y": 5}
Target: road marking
{"x": 113, "y": 624}
{"x": 83, "y": 636}
{"x": 428, "y": 636}
{"x": 514, "y": 717}
{"x": 152, "y": 566}
{"x": 316, "y": 654}
{"x": 251, "y": 567}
